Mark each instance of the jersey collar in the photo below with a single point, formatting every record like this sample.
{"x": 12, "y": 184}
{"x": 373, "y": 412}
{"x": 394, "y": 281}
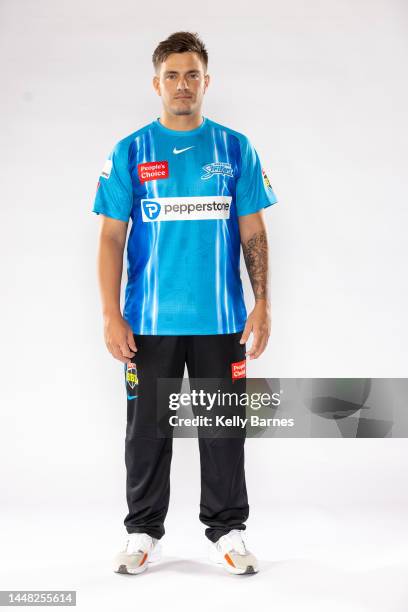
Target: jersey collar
{"x": 166, "y": 130}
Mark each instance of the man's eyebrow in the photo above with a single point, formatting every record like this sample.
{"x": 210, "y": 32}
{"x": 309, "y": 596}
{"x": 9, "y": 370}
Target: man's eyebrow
{"x": 175, "y": 71}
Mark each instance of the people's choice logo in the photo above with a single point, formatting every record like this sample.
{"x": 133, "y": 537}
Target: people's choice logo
{"x": 151, "y": 210}
{"x": 186, "y": 209}
{"x": 238, "y": 369}
{"x": 223, "y": 168}
{"x": 153, "y": 171}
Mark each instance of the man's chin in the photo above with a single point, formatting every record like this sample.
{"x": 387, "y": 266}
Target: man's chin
{"x": 182, "y": 111}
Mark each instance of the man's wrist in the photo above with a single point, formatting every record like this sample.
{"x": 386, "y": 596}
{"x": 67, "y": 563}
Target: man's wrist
{"x": 112, "y": 313}
{"x": 262, "y": 302}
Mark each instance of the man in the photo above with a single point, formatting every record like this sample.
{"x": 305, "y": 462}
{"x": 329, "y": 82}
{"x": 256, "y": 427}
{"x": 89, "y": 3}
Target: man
{"x": 195, "y": 191}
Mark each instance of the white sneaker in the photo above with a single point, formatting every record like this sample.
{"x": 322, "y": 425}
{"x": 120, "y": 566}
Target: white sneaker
{"x": 139, "y": 550}
{"x": 231, "y": 552}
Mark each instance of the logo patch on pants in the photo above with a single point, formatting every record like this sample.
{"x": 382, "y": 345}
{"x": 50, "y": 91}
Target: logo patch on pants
{"x": 131, "y": 380}
{"x": 238, "y": 369}
{"x": 131, "y": 375}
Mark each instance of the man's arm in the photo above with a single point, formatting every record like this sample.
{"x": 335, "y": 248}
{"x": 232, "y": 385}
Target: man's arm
{"x": 118, "y": 334}
{"x": 255, "y": 248}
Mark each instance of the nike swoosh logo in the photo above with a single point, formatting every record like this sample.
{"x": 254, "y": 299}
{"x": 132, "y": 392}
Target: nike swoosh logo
{"x": 177, "y": 151}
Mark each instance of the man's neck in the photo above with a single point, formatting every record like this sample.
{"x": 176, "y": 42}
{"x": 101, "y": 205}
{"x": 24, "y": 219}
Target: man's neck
{"x": 181, "y": 122}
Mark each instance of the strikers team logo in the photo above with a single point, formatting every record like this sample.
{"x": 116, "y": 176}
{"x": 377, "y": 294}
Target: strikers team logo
{"x": 266, "y": 180}
{"x": 238, "y": 369}
{"x": 151, "y": 209}
{"x": 131, "y": 375}
{"x": 223, "y": 168}
{"x": 151, "y": 171}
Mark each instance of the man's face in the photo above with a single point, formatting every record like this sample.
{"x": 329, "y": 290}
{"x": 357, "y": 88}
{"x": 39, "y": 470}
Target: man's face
{"x": 181, "y": 83}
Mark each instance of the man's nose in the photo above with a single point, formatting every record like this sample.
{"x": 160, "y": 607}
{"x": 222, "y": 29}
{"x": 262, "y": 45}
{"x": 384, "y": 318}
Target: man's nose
{"x": 182, "y": 84}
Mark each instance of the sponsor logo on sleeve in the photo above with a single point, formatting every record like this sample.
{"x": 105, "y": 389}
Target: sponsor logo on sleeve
{"x": 106, "y": 170}
{"x": 223, "y": 168}
{"x": 186, "y": 208}
{"x": 238, "y": 369}
{"x": 266, "y": 180}
{"x": 152, "y": 171}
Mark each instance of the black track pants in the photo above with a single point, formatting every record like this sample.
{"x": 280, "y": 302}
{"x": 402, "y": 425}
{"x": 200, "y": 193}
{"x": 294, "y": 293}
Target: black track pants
{"x": 224, "y": 501}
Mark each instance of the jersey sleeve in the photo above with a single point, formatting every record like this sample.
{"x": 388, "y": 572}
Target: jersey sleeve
{"x": 114, "y": 194}
{"x": 253, "y": 189}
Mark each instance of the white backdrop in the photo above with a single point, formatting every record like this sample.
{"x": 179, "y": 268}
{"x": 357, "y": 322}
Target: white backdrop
{"x": 319, "y": 89}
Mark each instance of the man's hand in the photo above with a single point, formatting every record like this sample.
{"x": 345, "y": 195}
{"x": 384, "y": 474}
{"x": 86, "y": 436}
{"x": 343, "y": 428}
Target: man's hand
{"x": 259, "y": 323}
{"x": 119, "y": 338}
{"x": 255, "y": 247}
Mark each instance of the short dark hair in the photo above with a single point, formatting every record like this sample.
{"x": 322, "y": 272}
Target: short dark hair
{"x": 180, "y": 42}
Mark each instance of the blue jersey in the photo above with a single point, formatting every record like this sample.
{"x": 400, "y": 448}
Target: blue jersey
{"x": 184, "y": 191}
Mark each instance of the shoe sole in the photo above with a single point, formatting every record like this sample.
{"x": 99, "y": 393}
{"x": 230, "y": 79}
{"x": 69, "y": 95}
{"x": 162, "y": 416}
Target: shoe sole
{"x": 123, "y": 569}
{"x": 154, "y": 557}
{"x": 237, "y": 571}
{"x": 248, "y": 570}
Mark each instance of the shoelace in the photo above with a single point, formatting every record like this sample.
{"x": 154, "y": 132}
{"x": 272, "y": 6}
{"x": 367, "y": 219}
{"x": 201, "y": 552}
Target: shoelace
{"x": 138, "y": 542}
{"x": 233, "y": 541}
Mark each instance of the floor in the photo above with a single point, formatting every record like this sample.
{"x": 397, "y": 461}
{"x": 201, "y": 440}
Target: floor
{"x": 350, "y": 559}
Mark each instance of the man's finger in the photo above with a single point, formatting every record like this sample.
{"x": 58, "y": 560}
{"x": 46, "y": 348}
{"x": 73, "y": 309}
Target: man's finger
{"x": 245, "y": 333}
{"x": 125, "y": 350}
{"x": 261, "y": 348}
{"x": 131, "y": 341}
{"x": 255, "y": 344}
{"x": 116, "y": 353}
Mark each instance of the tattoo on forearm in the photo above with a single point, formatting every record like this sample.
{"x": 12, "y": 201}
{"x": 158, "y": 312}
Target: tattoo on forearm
{"x": 256, "y": 258}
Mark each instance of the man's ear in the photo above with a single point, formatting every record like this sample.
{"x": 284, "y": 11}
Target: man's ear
{"x": 156, "y": 84}
{"x": 206, "y": 81}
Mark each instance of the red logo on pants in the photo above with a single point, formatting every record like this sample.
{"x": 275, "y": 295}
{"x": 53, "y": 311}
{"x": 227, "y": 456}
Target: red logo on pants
{"x": 238, "y": 369}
